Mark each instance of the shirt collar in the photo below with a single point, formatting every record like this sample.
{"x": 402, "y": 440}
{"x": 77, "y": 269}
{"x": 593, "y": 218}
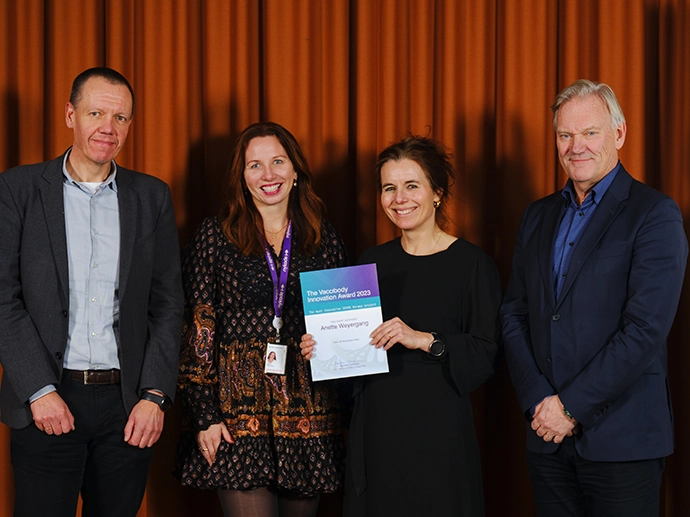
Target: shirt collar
{"x": 599, "y": 189}
{"x": 109, "y": 181}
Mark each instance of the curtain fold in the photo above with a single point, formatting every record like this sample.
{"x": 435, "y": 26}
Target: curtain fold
{"x": 348, "y": 77}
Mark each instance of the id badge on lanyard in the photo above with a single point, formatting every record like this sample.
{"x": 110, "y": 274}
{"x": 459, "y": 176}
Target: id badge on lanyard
{"x": 275, "y": 358}
{"x": 276, "y": 353}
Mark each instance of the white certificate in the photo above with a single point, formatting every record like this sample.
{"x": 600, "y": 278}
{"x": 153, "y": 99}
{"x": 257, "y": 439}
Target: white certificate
{"x": 341, "y": 308}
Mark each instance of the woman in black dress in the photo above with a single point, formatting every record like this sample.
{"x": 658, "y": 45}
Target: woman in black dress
{"x": 412, "y": 444}
{"x": 269, "y": 442}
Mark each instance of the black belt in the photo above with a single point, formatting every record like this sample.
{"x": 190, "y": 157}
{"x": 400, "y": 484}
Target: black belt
{"x": 94, "y": 376}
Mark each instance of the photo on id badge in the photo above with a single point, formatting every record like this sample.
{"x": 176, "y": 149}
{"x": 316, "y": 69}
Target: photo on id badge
{"x": 275, "y": 359}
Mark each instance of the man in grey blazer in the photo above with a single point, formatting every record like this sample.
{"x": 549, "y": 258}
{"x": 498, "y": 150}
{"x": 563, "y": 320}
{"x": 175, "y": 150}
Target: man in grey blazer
{"x": 90, "y": 311}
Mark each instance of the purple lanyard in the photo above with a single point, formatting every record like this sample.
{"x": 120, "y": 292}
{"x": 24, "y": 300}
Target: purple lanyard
{"x": 279, "y": 286}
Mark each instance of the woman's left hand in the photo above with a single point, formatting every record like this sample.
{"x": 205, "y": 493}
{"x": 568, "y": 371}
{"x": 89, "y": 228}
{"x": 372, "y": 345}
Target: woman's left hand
{"x": 396, "y": 331}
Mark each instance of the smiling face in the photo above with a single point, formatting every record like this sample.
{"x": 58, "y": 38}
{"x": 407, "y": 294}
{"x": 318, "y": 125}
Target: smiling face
{"x": 407, "y": 196}
{"x": 268, "y": 172}
{"x": 100, "y": 122}
{"x": 587, "y": 144}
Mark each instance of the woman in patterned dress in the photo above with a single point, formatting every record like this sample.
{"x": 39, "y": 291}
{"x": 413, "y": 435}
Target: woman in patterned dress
{"x": 269, "y": 443}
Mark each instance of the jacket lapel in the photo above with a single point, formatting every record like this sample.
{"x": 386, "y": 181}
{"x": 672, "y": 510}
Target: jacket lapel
{"x": 611, "y": 205}
{"x": 128, "y": 216}
{"x": 552, "y": 218}
{"x": 53, "y": 200}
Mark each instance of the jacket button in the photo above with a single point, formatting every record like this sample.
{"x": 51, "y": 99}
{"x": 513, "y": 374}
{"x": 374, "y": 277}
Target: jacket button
{"x": 58, "y": 355}
{"x": 556, "y": 317}
{"x": 548, "y": 359}
{"x": 64, "y": 314}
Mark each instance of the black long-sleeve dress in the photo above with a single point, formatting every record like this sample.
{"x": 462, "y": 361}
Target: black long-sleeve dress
{"x": 287, "y": 430}
{"x": 412, "y": 444}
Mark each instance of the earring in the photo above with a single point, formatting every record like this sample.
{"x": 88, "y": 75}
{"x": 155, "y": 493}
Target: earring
{"x": 294, "y": 183}
{"x": 437, "y": 204}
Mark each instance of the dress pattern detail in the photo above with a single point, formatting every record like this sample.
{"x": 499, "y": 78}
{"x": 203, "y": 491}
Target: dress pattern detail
{"x": 287, "y": 430}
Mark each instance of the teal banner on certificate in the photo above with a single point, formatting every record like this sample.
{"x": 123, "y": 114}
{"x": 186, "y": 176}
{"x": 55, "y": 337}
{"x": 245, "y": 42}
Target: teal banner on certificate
{"x": 341, "y": 308}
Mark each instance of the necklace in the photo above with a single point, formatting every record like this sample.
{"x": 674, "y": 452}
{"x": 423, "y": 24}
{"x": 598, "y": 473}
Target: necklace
{"x": 424, "y": 247}
{"x": 275, "y": 234}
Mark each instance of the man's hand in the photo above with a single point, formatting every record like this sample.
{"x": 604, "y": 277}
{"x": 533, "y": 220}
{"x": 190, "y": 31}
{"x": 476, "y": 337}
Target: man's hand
{"x": 52, "y": 415}
{"x": 145, "y": 424}
{"x": 550, "y": 422}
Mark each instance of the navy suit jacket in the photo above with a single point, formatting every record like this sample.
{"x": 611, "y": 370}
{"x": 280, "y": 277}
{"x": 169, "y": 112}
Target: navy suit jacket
{"x": 602, "y": 345}
{"x": 34, "y": 297}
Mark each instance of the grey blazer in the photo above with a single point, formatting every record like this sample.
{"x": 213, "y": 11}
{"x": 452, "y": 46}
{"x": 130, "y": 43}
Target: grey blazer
{"x": 34, "y": 298}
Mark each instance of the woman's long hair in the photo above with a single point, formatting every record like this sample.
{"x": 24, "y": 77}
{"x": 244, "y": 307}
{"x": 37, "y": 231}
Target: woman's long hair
{"x": 239, "y": 217}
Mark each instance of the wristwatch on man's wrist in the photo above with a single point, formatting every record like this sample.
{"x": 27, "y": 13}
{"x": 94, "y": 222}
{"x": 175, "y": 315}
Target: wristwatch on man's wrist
{"x": 437, "y": 347}
{"x": 567, "y": 413}
{"x": 163, "y": 401}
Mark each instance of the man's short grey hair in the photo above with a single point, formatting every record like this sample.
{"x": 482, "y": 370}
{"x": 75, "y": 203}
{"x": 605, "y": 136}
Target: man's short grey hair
{"x": 584, "y": 88}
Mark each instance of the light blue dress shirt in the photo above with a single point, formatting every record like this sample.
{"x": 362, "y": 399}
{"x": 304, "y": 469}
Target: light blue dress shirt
{"x": 92, "y": 223}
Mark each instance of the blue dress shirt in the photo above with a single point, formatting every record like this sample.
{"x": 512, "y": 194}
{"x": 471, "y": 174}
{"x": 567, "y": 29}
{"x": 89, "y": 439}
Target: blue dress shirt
{"x": 575, "y": 220}
{"x": 573, "y": 224}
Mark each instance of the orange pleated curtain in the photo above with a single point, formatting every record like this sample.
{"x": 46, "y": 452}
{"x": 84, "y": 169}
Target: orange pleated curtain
{"x": 347, "y": 77}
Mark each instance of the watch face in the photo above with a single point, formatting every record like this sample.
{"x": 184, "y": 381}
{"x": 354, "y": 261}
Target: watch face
{"x": 162, "y": 400}
{"x": 437, "y": 347}
{"x": 165, "y": 403}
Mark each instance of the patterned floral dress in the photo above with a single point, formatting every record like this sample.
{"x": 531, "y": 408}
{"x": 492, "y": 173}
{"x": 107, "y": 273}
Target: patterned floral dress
{"x": 287, "y": 430}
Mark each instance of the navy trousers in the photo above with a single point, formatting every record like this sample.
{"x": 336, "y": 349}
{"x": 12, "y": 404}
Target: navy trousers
{"x": 567, "y": 485}
{"x": 51, "y": 471}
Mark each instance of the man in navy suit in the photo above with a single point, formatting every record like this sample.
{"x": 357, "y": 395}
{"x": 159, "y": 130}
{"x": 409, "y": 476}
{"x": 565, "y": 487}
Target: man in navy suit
{"x": 90, "y": 314}
{"x": 597, "y": 274}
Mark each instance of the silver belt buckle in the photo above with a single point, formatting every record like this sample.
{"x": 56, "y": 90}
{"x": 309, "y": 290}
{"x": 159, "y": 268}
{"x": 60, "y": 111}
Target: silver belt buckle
{"x": 86, "y": 376}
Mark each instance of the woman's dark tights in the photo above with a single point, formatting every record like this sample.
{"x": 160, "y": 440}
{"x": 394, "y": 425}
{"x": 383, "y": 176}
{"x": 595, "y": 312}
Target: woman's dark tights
{"x": 266, "y": 502}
